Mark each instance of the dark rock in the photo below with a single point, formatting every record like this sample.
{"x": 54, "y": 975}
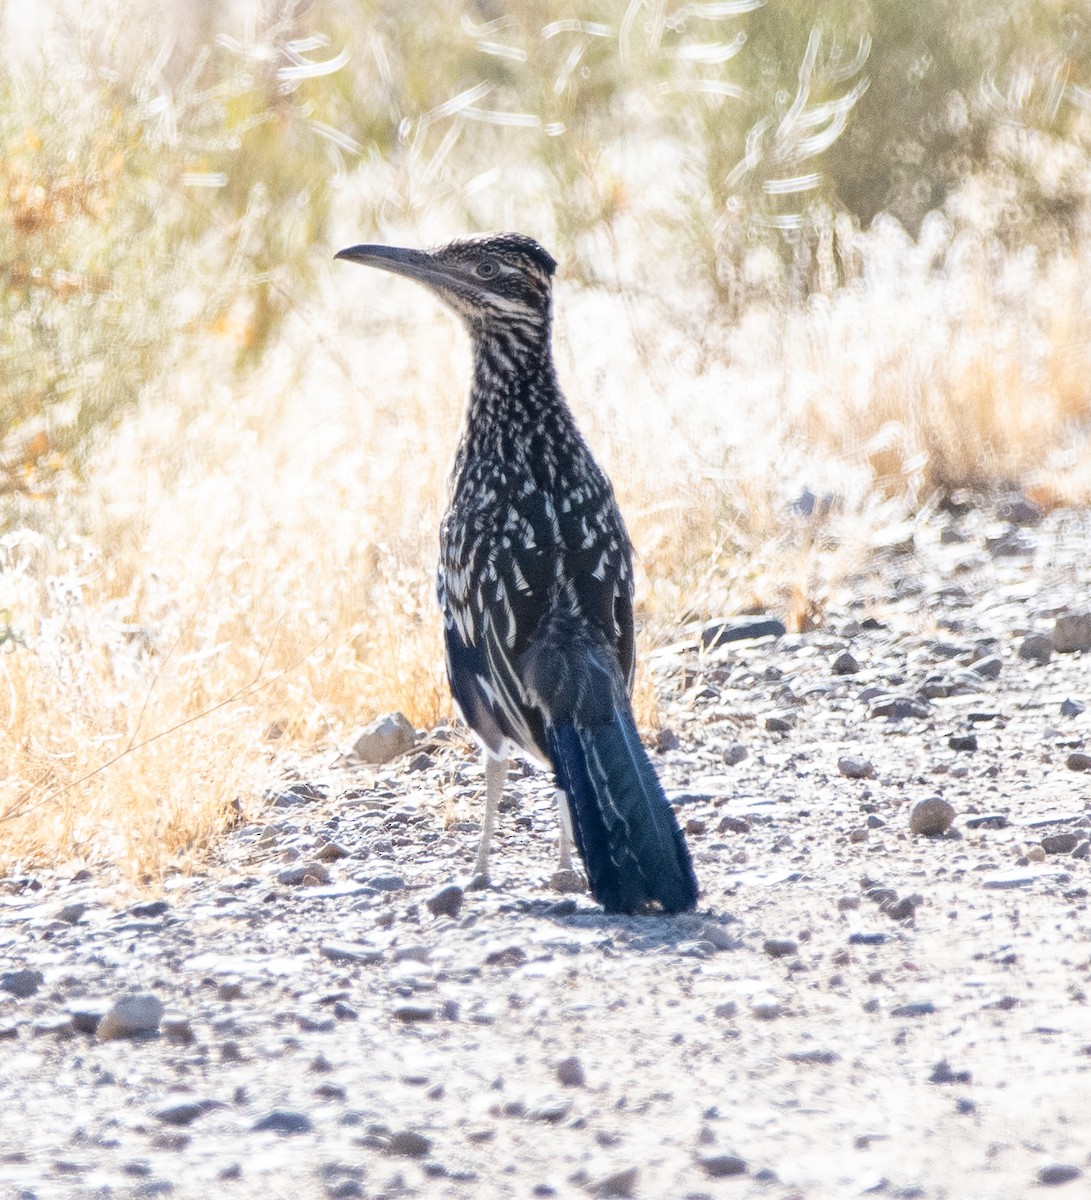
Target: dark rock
{"x": 963, "y": 741}
{"x": 1078, "y": 761}
{"x": 856, "y": 768}
{"x": 618, "y": 1183}
{"x": 87, "y": 1015}
{"x": 720, "y": 1166}
{"x": 21, "y": 983}
{"x": 1072, "y": 708}
{"x": 351, "y": 952}
{"x": 1037, "y": 648}
{"x": 942, "y": 1073}
{"x": 408, "y": 1144}
{"x": 411, "y": 1013}
{"x": 1060, "y": 843}
{"x": 919, "y": 1008}
{"x": 184, "y": 1112}
{"x": 447, "y": 902}
{"x": 988, "y": 668}
{"x": 283, "y": 1121}
{"x": 1057, "y": 1173}
{"x": 310, "y": 874}
{"x": 739, "y": 629}
{"x": 899, "y": 708}
{"x": 844, "y": 664}
{"x": 735, "y": 753}
{"x": 931, "y": 817}
{"x": 779, "y": 947}
{"x": 987, "y": 821}
{"x": 153, "y": 908}
{"x": 1072, "y": 632}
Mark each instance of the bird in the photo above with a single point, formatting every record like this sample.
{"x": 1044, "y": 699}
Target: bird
{"x": 535, "y": 582}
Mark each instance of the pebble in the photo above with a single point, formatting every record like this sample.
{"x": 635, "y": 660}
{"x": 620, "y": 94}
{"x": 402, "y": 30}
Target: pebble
{"x": 152, "y": 908}
{"x": 726, "y": 1009}
{"x": 184, "y": 1112}
{"x": 856, "y": 768}
{"x": 385, "y": 738}
{"x": 735, "y": 753}
{"x": 177, "y": 1029}
{"x": 766, "y": 1008}
{"x": 331, "y": 852}
{"x": 918, "y": 1008}
{"x": 284, "y": 1121}
{"x": 962, "y": 741}
{"x": 570, "y": 1072}
{"x": 447, "y": 902}
{"x": 309, "y": 874}
{"x": 621, "y": 1182}
{"x": 1057, "y": 1173}
{"x": 987, "y": 821}
{"x": 844, "y": 664}
{"x": 1036, "y": 648}
{"x": 1078, "y": 761}
{"x": 931, "y": 817}
{"x": 779, "y": 947}
{"x": 1060, "y": 843}
{"x": 550, "y": 1109}
{"x": 87, "y": 1015}
{"x": 942, "y": 1073}
{"x": 351, "y": 952}
{"x": 1072, "y": 632}
{"x": 22, "y": 983}
{"x": 780, "y": 722}
{"x": 720, "y": 1166}
{"x": 738, "y": 629}
{"x": 408, "y": 1144}
{"x": 131, "y": 1016}
{"x": 412, "y": 1013}
{"x": 899, "y": 708}
{"x": 1072, "y": 708}
{"x": 988, "y": 668}
{"x": 730, "y": 824}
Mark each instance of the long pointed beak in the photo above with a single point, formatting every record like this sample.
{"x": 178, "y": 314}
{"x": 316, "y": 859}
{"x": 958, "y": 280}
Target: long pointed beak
{"x": 415, "y": 264}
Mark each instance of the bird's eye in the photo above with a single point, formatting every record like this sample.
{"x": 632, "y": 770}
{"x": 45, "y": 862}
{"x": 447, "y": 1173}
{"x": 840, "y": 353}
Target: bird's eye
{"x": 487, "y": 268}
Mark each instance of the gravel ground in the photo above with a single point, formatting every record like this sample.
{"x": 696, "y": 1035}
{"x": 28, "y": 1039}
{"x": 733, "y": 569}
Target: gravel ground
{"x": 857, "y": 1009}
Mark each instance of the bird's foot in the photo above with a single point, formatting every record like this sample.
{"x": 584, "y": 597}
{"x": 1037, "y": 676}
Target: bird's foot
{"x": 567, "y": 880}
{"x": 480, "y": 882}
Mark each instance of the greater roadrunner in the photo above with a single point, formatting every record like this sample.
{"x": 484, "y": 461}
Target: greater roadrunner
{"x": 536, "y": 582}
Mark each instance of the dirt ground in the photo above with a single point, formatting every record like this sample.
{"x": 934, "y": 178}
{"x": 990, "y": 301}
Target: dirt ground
{"x": 855, "y": 1010}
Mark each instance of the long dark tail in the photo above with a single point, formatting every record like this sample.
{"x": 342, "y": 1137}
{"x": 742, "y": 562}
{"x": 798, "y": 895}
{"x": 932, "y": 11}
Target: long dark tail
{"x": 623, "y": 824}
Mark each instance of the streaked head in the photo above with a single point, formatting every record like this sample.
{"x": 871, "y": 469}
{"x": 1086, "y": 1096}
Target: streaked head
{"x": 499, "y": 284}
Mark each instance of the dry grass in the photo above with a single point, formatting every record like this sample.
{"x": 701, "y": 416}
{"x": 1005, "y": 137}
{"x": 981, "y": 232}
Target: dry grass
{"x": 249, "y": 567}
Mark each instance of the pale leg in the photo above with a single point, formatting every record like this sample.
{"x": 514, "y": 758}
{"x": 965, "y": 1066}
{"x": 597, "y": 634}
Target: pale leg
{"x": 496, "y": 770}
{"x": 565, "y": 839}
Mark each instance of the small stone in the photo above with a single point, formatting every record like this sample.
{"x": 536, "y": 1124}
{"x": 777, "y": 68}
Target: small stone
{"x": 695, "y": 826}
{"x": 385, "y": 738}
{"x": 1057, "y": 1173}
{"x": 1036, "y": 648}
{"x": 844, "y": 664}
{"x": 283, "y": 1121}
{"x": 88, "y": 1014}
{"x": 666, "y": 739}
{"x": 1072, "y": 708}
{"x": 150, "y": 909}
{"x": 931, "y": 817}
{"x": 410, "y": 1014}
{"x": 185, "y": 1112}
{"x": 1072, "y": 632}
{"x": 737, "y": 629}
{"x": 131, "y": 1016}
{"x": 409, "y": 1144}
{"x": 1018, "y": 510}
{"x": 550, "y": 1109}
{"x": 1035, "y": 854}
{"x": 963, "y": 741}
{"x": 856, "y": 768}
{"x": 942, "y": 1073}
{"x": 331, "y": 852}
{"x": 858, "y": 835}
{"x": 229, "y": 989}
{"x": 570, "y": 1072}
{"x": 720, "y": 1166}
{"x": 618, "y": 1183}
{"x": 848, "y": 903}
{"x": 1083, "y": 850}
{"x": 1078, "y": 761}
{"x": 386, "y": 883}
{"x": 177, "y": 1029}
{"x": 726, "y": 1009}
{"x": 766, "y": 1008}
{"x": 919, "y": 1008}
{"x": 22, "y": 983}
{"x": 779, "y": 947}
{"x": 899, "y": 708}
{"x": 447, "y": 902}
{"x": 987, "y": 821}
{"x": 1060, "y": 843}
{"x": 311, "y": 874}
{"x": 359, "y": 952}
{"x": 988, "y": 668}
{"x": 735, "y": 753}
{"x": 780, "y": 723}
{"x": 72, "y": 914}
